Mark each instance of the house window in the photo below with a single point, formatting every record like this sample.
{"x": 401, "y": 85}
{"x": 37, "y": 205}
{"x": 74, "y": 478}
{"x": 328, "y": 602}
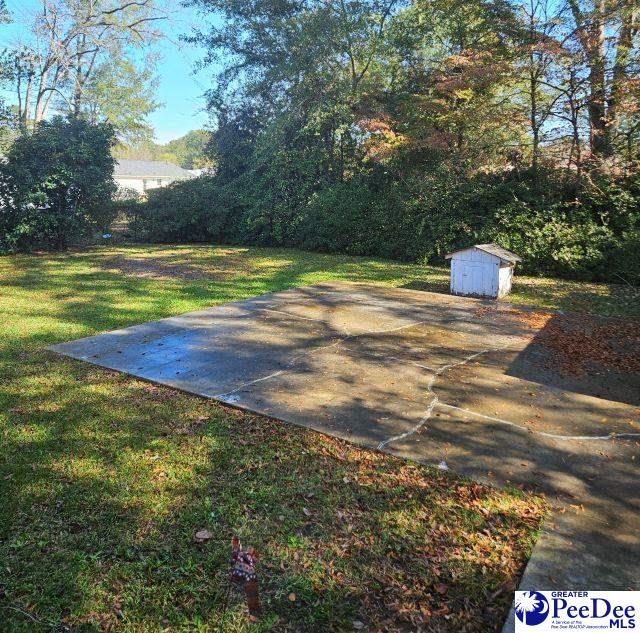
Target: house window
{"x": 159, "y": 181}
{"x": 145, "y": 185}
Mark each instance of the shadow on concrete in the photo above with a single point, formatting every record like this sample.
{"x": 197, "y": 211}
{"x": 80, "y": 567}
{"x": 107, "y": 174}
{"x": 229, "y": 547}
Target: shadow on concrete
{"x": 427, "y": 376}
{"x": 572, "y": 369}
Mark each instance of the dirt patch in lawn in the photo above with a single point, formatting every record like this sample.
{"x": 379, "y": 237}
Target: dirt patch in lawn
{"x": 198, "y": 264}
{"x": 156, "y": 268}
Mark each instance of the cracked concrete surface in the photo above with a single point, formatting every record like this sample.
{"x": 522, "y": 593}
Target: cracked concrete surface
{"x": 427, "y": 377}
{"x": 434, "y": 398}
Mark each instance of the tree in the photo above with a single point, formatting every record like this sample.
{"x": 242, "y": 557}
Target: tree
{"x": 455, "y": 92}
{"x": 6, "y": 116}
{"x": 122, "y": 93}
{"x": 57, "y": 183}
{"x": 6, "y": 75}
{"x": 540, "y": 49}
{"x": 190, "y": 151}
{"x": 605, "y": 31}
{"x": 71, "y": 40}
{"x": 406, "y": 128}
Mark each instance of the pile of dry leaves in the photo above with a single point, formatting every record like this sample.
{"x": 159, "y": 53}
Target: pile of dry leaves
{"x": 580, "y": 343}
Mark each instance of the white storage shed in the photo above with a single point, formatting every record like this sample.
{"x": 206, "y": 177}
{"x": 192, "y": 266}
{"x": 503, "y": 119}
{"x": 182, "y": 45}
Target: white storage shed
{"x": 483, "y": 270}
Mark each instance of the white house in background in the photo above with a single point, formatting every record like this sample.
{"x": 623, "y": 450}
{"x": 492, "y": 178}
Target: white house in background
{"x": 483, "y": 270}
{"x": 143, "y": 175}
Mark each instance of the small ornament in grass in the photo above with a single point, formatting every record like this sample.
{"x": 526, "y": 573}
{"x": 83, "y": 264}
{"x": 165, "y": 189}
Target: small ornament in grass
{"x": 243, "y": 572}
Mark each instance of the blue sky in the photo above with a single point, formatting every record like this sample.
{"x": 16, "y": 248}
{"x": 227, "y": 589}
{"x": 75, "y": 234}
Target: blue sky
{"x": 180, "y": 90}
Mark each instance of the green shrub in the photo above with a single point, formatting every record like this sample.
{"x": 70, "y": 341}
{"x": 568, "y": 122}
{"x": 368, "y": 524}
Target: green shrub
{"x": 624, "y": 259}
{"x": 182, "y": 212}
{"x": 56, "y": 185}
{"x": 558, "y": 226}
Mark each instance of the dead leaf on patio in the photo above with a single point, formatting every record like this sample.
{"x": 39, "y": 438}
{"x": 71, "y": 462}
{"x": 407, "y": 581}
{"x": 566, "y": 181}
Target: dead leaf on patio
{"x": 202, "y": 536}
{"x": 580, "y": 342}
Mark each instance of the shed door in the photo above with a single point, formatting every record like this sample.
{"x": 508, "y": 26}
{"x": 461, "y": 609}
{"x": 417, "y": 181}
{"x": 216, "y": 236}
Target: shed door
{"x": 472, "y": 283}
{"x": 472, "y": 278}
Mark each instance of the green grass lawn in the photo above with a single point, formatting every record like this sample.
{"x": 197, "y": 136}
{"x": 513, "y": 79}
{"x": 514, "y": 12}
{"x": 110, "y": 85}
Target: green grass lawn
{"x": 105, "y": 479}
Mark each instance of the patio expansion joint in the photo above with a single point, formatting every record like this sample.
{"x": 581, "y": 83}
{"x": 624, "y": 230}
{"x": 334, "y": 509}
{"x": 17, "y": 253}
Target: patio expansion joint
{"x": 598, "y": 438}
{"x": 434, "y": 398}
{"x": 224, "y": 397}
{"x": 435, "y": 401}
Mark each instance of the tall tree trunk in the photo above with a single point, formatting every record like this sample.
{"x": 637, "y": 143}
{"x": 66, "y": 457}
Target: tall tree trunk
{"x": 575, "y": 155}
{"x": 599, "y": 132}
{"x": 535, "y": 126}
{"x": 41, "y": 98}
{"x": 26, "y": 113}
{"x": 79, "y": 81}
{"x": 590, "y": 30}
{"x": 624, "y": 46}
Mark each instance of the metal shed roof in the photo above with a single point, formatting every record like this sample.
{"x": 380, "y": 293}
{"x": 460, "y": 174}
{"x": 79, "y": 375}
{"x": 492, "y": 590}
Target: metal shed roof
{"x": 149, "y": 169}
{"x": 492, "y": 249}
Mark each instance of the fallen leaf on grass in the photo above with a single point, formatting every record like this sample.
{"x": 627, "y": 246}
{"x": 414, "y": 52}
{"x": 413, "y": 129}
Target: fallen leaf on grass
{"x": 202, "y": 536}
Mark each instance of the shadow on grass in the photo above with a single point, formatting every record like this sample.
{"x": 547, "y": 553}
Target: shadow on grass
{"x": 105, "y": 480}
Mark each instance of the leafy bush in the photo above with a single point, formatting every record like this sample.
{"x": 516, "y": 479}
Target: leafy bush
{"x": 558, "y": 226}
{"x": 56, "y": 184}
{"x": 624, "y": 259}
{"x": 126, "y": 195}
{"x": 186, "y": 211}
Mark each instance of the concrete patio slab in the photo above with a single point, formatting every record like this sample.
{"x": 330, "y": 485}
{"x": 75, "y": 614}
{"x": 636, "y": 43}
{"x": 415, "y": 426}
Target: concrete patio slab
{"x": 428, "y": 377}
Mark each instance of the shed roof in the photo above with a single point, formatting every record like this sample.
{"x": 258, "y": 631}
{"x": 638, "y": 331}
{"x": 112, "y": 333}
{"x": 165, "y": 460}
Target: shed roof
{"x": 492, "y": 249}
{"x": 149, "y": 169}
